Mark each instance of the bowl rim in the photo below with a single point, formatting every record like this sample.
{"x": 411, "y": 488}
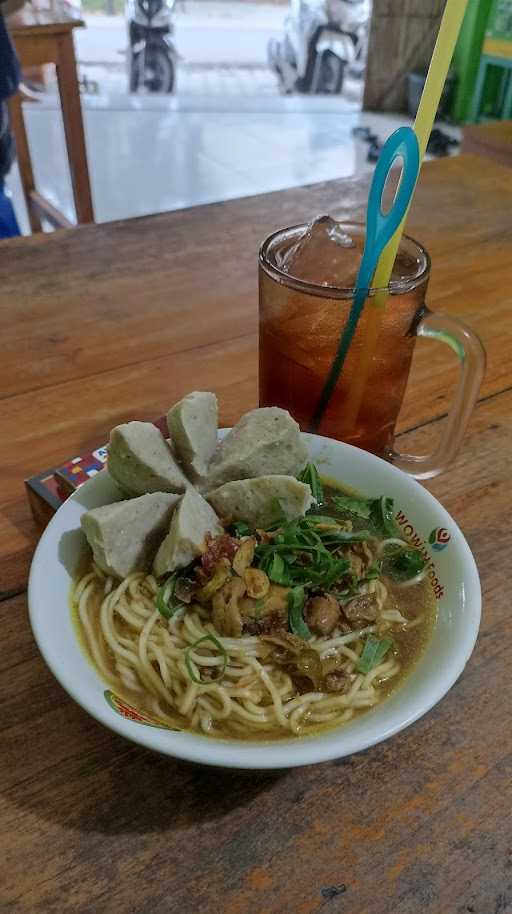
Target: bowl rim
{"x": 285, "y": 753}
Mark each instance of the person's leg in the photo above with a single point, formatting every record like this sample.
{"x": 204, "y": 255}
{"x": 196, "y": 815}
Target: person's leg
{"x": 8, "y": 223}
{"x": 9, "y": 227}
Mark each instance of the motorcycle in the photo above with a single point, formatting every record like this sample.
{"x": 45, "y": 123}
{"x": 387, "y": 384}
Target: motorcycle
{"x": 152, "y": 56}
{"x": 322, "y": 38}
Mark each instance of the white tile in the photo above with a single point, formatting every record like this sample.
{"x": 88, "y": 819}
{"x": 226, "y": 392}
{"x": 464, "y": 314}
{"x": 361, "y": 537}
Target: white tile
{"x": 150, "y": 164}
{"x": 49, "y": 159}
{"x": 147, "y": 158}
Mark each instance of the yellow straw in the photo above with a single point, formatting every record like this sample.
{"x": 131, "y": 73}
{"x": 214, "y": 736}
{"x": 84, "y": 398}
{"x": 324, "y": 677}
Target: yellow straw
{"x": 437, "y": 73}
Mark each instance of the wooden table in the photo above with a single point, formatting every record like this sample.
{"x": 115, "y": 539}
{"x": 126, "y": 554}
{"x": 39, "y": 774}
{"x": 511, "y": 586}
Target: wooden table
{"x": 112, "y": 322}
{"x": 493, "y": 140}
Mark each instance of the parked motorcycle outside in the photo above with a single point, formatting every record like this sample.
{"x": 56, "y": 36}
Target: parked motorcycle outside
{"x": 322, "y": 38}
{"x": 152, "y": 56}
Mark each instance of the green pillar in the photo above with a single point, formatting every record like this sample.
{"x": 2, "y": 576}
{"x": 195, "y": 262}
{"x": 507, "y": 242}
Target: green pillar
{"x": 466, "y": 58}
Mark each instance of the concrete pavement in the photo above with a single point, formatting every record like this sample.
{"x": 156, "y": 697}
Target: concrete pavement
{"x": 215, "y": 33}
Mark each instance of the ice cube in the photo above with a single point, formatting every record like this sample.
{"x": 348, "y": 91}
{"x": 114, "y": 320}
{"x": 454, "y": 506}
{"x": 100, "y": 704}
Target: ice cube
{"x": 325, "y": 255}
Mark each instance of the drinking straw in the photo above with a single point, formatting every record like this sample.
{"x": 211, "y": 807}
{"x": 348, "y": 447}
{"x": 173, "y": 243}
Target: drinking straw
{"x": 439, "y": 65}
{"x": 380, "y": 228}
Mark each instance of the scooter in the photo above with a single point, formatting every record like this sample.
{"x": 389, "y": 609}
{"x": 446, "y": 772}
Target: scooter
{"x": 152, "y": 56}
{"x": 322, "y": 38}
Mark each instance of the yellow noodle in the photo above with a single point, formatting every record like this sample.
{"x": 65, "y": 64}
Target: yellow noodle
{"x": 135, "y": 649}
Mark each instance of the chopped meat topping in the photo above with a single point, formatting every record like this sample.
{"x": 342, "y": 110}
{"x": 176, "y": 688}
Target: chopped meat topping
{"x": 322, "y": 614}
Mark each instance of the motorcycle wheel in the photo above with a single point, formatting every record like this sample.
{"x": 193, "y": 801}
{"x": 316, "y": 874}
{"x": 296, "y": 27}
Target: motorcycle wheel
{"x": 160, "y": 71}
{"x": 331, "y": 75}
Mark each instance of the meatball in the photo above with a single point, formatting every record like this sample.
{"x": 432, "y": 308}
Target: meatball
{"x": 322, "y": 614}
{"x": 337, "y": 681}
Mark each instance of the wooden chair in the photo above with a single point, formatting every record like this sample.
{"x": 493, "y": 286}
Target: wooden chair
{"x": 40, "y": 43}
{"x": 498, "y": 54}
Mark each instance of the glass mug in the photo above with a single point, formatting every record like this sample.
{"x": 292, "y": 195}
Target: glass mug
{"x": 301, "y": 322}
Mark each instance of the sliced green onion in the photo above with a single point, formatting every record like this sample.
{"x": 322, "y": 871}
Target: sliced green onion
{"x": 290, "y": 558}
{"x": 188, "y": 660}
{"x": 311, "y": 477}
{"x": 265, "y": 548}
{"x": 402, "y": 564}
{"x": 360, "y": 507}
{"x": 164, "y": 601}
{"x": 374, "y": 651}
{"x": 308, "y": 553}
{"x": 346, "y": 536}
{"x": 296, "y": 601}
{"x": 384, "y": 513}
{"x": 372, "y": 572}
{"x": 241, "y": 528}
{"x": 277, "y": 571}
{"x": 322, "y": 519}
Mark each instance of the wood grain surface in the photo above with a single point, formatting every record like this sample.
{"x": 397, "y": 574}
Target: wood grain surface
{"x": 491, "y": 140}
{"x": 116, "y": 321}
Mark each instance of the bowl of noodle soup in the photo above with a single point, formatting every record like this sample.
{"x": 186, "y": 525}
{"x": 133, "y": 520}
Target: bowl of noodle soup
{"x": 259, "y": 699}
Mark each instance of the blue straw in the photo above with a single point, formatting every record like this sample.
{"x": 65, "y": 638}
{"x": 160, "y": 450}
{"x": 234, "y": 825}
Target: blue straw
{"x": 380, "y": 228}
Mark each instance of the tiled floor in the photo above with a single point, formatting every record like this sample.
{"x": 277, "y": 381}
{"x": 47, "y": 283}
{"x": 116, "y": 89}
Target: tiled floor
{"x": 206, "y": 79}
{"x": 191, "y": 79}
{"x": 154, "y": 154}
{"x": 226, "y": 133}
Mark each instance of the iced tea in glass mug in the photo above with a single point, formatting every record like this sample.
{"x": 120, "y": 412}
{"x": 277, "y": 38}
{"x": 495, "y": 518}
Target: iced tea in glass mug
{"x": 306, "y": 276}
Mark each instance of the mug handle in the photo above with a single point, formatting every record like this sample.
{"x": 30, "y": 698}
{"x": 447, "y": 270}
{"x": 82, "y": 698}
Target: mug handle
{"x": 471, "y": 354}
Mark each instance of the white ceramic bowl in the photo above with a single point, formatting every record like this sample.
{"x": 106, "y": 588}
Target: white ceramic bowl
{"x": 452, "y": 570}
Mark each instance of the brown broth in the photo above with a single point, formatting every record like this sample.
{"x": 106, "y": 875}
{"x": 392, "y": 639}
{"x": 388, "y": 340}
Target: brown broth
{"x": 412, "y": 602}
